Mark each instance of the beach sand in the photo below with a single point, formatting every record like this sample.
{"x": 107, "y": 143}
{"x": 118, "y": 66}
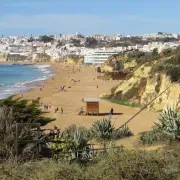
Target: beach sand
{"x": 86, "y": 88}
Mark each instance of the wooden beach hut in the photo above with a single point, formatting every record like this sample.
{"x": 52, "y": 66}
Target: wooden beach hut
{"x": 92, "y": 105}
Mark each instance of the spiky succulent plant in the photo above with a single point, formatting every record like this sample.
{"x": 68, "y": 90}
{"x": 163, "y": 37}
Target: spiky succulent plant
{"x": 123, "y": 131}
{"x": 102, "y": 129}
{"x": 169, "y": 123}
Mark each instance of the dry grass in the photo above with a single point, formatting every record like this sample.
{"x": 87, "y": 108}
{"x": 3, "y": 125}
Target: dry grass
{"x": 126, "y": 164}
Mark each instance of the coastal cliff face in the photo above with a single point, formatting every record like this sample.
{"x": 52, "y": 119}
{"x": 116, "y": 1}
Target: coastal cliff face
{"x": 42, "y": 57}
{"x": 3, "y": 57}
{"x": 74, "y": 59}
{"x": 144, "y": 85}
{"x": 118, "y": 63}
{"x": 16, "y": 57}
{"x": 142, "y": 88}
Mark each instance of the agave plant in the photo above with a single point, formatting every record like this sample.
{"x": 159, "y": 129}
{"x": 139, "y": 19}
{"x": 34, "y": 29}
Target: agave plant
{"x": 80, "y": 140}
{"x": 74, "y": 144}
{"x": 103, "y": 129}
{"x": 169, "y": 123}
{"x": 74, "y": 137}
{"x": 123, "y": 131}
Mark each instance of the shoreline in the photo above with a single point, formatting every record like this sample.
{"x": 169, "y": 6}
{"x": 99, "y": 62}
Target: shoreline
{"x": 25, "y": 86}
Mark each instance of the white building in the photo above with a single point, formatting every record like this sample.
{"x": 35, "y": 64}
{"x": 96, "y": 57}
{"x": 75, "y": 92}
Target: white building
{"x": 159, "y": 35}
{"x": 98, "y": 57}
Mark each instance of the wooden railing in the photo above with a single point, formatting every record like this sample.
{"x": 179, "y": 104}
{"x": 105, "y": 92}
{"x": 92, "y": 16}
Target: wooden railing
{"x": 86, "y": 154}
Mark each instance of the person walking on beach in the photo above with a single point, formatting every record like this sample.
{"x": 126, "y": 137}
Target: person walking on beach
{"x": 49, "y": 106}
{"x": 61, "y": 110}
{"x": 56, "y": 110}
{"x": 112, "y": 111}
{"x": 45, "y": 107}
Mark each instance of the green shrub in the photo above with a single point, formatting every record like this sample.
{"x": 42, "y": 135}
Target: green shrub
{"x": 18, "y": 111}
{"x": 132, "y": 165}
{"x": 169, "y": 123}
{"x": 73, "y": 138}
{"x": 106, "y": 131}
{"x": 170, "y": 66}
{"x": 25, "y": 111}
{"x": 168, "y": 128}
{"x": 122, "y": 132}
{"x": 158, "y": 86}
{"x": 174, "y": 73}
{"x": 102, "y": 129}
{"x": 152, "y": 137}
{"x": 125, "y": 164}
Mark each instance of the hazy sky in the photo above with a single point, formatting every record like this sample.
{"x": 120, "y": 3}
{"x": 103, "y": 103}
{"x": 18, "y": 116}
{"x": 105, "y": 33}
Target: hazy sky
{"x": 88, "y": 16}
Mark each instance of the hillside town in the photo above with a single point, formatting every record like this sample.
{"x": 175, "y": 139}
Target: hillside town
{"x": 99, "y": 46}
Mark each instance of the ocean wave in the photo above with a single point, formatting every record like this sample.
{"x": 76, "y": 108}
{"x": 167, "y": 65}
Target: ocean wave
{"x": 43, "y": 66}
{"x": 45, "y": 69}
{"x": 7, "y": 90}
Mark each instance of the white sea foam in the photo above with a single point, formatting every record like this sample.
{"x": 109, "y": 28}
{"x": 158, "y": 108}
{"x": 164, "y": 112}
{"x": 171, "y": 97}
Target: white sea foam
{"x": 24, "y": 86}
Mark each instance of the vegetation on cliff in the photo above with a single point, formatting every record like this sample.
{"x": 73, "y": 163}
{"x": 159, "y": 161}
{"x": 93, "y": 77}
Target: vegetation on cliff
{"x": 168, "y": 61}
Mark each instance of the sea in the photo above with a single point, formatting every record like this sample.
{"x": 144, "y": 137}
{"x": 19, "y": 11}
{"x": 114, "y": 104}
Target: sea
{"x": 20, "y": 78}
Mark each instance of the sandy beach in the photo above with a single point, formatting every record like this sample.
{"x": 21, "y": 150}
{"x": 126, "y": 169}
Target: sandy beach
{"x": 71, "y": 100}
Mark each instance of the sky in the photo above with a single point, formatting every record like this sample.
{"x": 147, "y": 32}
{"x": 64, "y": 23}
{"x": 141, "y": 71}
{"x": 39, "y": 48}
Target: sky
{"x": 127, "y": 17}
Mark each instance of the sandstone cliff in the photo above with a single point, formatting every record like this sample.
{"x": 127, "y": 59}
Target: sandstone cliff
{"x": 42, "y": 57}
{"x": 146, "y": 82}
{"x": 74, "y": 59}
{"x": 3, "y": 57}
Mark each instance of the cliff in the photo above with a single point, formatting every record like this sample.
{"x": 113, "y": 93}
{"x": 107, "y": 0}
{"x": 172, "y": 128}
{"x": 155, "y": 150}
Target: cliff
{"x": 16, "y": 57}
{"x": 74, "y": 59}
{"x": 3, "y": 57}
{"x": 118, "y": 63}
{"x": 42, "y": 57}
{"x": 148, "y": 80}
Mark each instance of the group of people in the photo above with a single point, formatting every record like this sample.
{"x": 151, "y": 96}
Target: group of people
{"x": 47, "y": 107}
{"x": 57, "y": 109}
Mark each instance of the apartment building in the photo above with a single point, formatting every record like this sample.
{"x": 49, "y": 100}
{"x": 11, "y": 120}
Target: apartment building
{"x": 98, "y": 58}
